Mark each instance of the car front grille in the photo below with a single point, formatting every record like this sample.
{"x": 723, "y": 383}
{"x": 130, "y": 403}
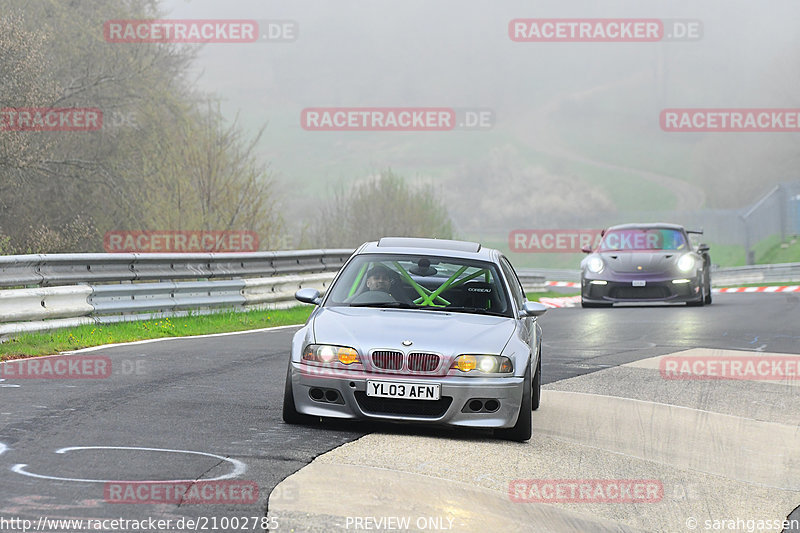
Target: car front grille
{"x": 418, "y": 362}
{"x": 392, "y": 406}
{"x": 639, "y": 293}
{"x": 387, "y": 360}
{"x": 423, "y": 362}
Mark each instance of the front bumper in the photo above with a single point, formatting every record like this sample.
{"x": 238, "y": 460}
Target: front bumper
{"x": 344, "y": 396}
{"x": 621, "y": 289}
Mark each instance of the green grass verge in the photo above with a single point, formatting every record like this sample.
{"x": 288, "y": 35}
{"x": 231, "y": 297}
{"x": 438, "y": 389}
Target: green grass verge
{"x": 52, "y": 342}
{"x": 769, "y": 251}
{"x": 534, "y": 296}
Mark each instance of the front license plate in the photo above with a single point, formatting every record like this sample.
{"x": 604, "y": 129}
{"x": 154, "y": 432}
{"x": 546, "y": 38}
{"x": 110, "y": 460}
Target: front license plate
{"x": 639, "y": 283}
{"x": 406, "y": 391}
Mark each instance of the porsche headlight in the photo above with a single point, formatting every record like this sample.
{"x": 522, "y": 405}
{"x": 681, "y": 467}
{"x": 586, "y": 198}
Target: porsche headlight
{"x": 686, "y": 263}
{"x": 488, "y": 364}
{"x": 326, "y": 353}
{"x": 595, "y": 264}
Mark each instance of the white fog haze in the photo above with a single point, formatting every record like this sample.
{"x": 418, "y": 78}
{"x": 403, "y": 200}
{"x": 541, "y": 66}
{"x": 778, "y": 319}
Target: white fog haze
{"x": 563, "y": 111}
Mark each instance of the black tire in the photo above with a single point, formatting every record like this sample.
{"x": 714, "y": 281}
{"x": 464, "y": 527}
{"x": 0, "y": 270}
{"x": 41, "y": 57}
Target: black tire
{"x": 536, "y": 389}
{"x": 522, "y": 429}
{"x": 708, "y": 290}
{"x": 290, "y": 414}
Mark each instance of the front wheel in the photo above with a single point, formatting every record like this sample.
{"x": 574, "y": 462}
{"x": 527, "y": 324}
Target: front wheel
{"x": 290, "y": 414}
{"x": 522, "y": 429}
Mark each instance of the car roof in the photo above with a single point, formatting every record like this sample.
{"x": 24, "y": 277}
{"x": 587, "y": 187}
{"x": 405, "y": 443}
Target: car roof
{"x": 441, "y": 247}
{"x": 649, "y": 225}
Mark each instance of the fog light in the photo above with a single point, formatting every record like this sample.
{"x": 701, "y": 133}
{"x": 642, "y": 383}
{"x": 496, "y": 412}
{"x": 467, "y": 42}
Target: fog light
{"x": 681, "y": 281}
{"x": 598, "y": 282}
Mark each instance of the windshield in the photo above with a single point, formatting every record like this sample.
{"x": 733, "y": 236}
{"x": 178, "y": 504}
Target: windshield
{"x": 421, "y": 282}
{"x": 643, "y": 240}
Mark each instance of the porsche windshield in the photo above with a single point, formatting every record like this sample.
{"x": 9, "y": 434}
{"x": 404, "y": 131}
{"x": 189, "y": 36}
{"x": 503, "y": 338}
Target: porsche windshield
{"x": 643, "y": 240}
{"x": 421, "y": 282}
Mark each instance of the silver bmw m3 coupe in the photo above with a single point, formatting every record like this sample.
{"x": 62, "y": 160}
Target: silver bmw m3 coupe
{"x": 426, "y": 331}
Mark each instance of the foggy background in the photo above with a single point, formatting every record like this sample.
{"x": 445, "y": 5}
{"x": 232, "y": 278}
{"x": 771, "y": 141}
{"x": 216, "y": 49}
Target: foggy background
{"x": 576, "y": 141}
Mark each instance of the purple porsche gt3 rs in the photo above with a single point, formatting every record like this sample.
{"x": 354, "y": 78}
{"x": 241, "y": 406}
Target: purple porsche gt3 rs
{"x": 646, "y": 263}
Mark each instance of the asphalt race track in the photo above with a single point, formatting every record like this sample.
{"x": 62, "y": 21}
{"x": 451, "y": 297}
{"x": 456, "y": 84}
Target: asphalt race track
{"x": 209, "y": 409}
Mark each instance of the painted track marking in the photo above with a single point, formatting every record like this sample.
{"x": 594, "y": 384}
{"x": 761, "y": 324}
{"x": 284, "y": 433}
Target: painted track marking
{"x": 239, "y": 467}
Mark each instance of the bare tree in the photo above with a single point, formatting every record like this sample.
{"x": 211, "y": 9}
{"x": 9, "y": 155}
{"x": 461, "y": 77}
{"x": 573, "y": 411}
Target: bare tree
{"x": 381, "y": 206}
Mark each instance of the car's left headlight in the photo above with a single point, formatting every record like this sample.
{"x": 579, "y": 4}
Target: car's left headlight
{"x": 686, "y": 263}
{"x": 487, "y": 364}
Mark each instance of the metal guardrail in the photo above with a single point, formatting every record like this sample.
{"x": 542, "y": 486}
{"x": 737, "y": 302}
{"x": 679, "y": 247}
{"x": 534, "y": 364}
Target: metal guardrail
{"x": 47, "y": 270}
{"x": 778, "y": 273}
{"x": 74, "y": 289}
{"x": 533, "y": 275}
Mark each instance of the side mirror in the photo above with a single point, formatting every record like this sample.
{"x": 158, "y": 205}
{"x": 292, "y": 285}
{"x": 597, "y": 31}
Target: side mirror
{"x": 586, "y": 250}
{"x": 308, "y": 296}
{"x": 532, "y": 309}
{"x": 702, "y": 248}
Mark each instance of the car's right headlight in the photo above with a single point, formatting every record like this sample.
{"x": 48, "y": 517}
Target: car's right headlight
{"x": 487, "y": 364}
{"x": 595, "y": 264}
{"x": 326, "y": 353}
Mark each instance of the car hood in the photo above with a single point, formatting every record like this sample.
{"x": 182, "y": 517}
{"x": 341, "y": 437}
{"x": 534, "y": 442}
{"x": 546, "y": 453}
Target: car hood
{"x": 445, "y": 333}
{"x": 650, "y": 262}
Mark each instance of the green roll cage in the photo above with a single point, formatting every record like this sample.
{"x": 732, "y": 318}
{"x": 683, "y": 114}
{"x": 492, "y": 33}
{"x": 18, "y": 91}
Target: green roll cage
{"x": 427, "y": 297}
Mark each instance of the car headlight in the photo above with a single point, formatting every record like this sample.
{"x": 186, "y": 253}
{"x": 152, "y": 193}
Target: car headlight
{"x": 686, "y": 263}
{"x": 595, "y": 264}
{"x": 326, "y": 353}
{"x": 488, "y": 364}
